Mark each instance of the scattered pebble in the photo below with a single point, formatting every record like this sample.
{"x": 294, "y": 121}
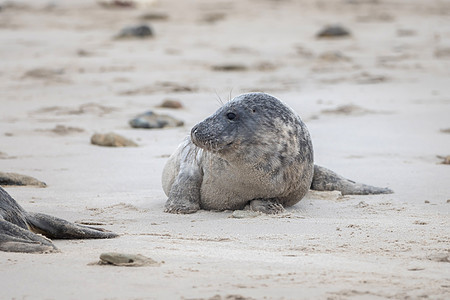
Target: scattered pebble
{"x": 417, "y": 222}
{"x": 213, "y": 17}
{"x": 127, "y": 260}
{"x": 362, "y": 204}
{"x": 416, "y": 268}
{"x": 265, "y": 66}
{"x": 230, "y": 68}
{"x": 43, "y": 73}
{"x": 242, "y": 214}
{"x": 82, "y": 52}
{"x": 445, "y": 130}
{"x": 140, "y": 31}
{"x": 4, "y": 155}
{"x": 333, "y": 31}
{"x": 155, "y": 16}
{"x": 426, "y": 201}
{"x": 333, "y": 56}
{"x": 440, "y": 257}
{"x": 126, "y": 3}
{"x": 111, "y": 140}
{"x": 19, "y": 179}
{"x": 171, "y": 103}
{"x": 406, "y": 32}
{"x": 366, "y": 78}
{"x": 445, "y": 159}
{"x": 348, "y": 109}
{"x": 116, "y": 3}
{"x": 63, "y": 130}
{"x": 153, "y": 120}
{"x": 375, "y": 17}
{"x": 442, "y": 53}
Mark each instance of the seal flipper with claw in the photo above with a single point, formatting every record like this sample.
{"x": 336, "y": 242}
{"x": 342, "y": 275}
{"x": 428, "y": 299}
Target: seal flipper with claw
{"x": 22, "y": 231}
{"x": 327, "y": 180}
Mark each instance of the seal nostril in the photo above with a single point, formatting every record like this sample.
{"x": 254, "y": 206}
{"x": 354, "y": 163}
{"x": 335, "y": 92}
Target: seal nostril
{"x": 194, "y": 129}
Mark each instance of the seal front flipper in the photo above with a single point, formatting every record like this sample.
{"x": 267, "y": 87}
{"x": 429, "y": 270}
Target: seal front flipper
{"x": 182, "y": 179}
{"x": 327, "y": 180}
{"x": 16, "y": 239}
{"x": 184, "y": 195}
{"x": 267, "y": 206}
{"x": 56, "y": 228}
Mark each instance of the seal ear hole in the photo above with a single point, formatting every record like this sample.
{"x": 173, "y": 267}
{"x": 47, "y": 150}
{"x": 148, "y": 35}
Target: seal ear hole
{"x": 253, "y": 110}
{"x": 231, "y": 116}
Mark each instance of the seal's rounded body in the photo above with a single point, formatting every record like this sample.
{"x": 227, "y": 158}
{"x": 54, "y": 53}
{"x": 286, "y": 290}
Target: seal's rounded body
{"x": 253, "y": 148}
{"x": 253, "y": 151}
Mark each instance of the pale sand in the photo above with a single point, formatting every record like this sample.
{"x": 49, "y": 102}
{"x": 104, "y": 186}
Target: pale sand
{"x": 395, "y": 67}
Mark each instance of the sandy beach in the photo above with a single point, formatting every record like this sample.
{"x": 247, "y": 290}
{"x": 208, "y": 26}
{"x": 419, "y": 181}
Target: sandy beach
{"x": 376, "y": 102}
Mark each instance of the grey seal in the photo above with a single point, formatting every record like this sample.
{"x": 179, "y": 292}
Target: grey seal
{"x": 22, "y": 231}
{"x": 254, "y": 152}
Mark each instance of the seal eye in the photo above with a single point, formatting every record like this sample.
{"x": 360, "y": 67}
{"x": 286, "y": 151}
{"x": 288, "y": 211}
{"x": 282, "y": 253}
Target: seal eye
{"x": 231, "y": 116}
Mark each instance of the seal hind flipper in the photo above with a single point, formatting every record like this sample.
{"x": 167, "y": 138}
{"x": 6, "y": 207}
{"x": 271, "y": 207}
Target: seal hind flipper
{"x": 56, "y": 228}
{"x": 16, "y": 239}
{"x": 327, "y": 180}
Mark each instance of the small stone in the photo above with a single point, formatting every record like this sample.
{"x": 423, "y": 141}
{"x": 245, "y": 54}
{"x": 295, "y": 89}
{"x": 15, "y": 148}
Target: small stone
{"x": 333, "y": 56}
{"x": 440, "y": 257}
{"x": 19, "y": 179}
{"x": 406, "y": 32}
{"x": 140, "y": 31}
{"x": 171, "y": 103}
{"x": 333, "y": 31}
{"x": 417, "y": 222}
{"x": 127, "y": 260}
{"x": 448, "y": 200}
{"x": 348, "y": 109}
{"x": 230, "y": 68}
{"x": 45, "y": 73}
{"x": 155, "y": 16}
{"x": 242, "y": 214}
{"x": 426, "y": 201}
{"x": 111, "y": 140}
{"x": 416, "y": 268}
{"x": 153, "y": 120}
{"x": 213, "y": 17}
{"x": 362, "y": 204}
{"x": 117, "y": 3}
{"x": 65, "y": 130}
{"x": 446, "y": 160}
{"x": 442, "y": 53}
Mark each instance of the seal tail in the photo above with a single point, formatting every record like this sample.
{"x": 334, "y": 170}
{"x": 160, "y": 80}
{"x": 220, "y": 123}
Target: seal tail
{"x": 55, "y": 228}
{"x": 327, "y": 180}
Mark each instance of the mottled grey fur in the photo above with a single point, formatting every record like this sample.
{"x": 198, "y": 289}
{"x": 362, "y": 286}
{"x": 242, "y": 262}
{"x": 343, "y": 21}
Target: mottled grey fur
{"x": 22, "y": 231}
{"x": 253, "y": 152}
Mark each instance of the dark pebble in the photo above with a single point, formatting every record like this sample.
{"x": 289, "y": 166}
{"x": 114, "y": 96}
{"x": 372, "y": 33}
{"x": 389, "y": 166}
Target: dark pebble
{"x": 141, "y": 31}
{"x": 153, "y": 120}
{"x": 333, "y": 31}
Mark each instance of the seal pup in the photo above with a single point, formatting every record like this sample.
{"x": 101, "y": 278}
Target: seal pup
{"x": 254, "y": 152}
{"x": 22, "y": 231}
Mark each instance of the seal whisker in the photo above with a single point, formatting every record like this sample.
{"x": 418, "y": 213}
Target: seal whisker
{"x": 219, "y": 100}
{"x": 229, "y": 96}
